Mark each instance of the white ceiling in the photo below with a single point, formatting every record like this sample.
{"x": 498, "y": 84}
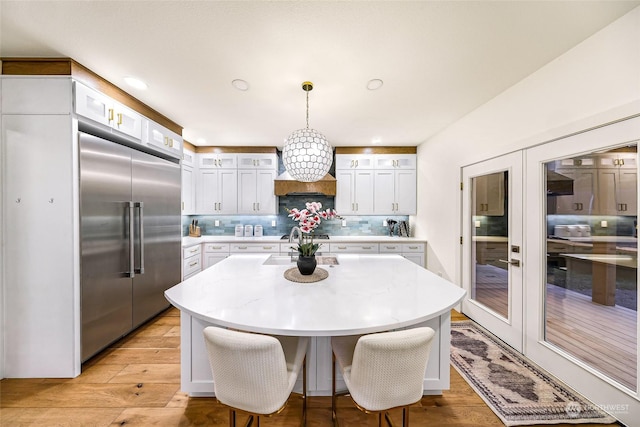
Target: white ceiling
{"x": 439, "y": 60}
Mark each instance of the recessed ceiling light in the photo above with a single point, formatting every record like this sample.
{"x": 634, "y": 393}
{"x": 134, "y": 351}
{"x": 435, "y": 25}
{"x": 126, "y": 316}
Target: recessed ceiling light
{"x": 240, "y": 84}
{"x": 374, "y": 84}
{"x": 136, "y": 83}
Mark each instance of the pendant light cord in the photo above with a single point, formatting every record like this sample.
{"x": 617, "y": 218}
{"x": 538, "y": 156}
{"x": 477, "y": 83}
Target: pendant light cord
{"x": 307, "y": 109}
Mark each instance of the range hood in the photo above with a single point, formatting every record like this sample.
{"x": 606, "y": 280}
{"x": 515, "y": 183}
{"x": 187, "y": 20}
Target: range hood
{"x": 558, "y": 184}
{"x": 286, "y": 185}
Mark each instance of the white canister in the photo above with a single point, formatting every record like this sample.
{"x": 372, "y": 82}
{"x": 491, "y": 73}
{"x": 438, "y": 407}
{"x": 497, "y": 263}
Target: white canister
{"x": 239, "y": 230}
{"x": 585, "y": 230}
{"x": 248, "y": 230}
{"x": 561, "y": 231}
{"x": 257, "y": 231}
{"x": 574, "y": 231}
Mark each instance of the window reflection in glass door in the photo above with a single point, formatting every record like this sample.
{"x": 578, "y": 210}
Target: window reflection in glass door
{"x": 490, "y": 276}
{"x": 591, "y": 291}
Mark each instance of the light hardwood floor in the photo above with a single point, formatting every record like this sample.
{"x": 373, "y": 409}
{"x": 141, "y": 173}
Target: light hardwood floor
{"x": 136, "y": 382}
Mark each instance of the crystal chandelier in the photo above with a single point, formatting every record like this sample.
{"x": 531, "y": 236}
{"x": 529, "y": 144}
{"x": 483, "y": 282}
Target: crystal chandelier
{"x": 307, "y": 155}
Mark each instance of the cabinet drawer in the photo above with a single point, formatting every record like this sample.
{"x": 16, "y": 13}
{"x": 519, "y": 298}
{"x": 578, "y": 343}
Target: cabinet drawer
{"x": 395, "y": 248}
{"x": 191, "y": 251}
{"x": 412, "y": 247}
{"x": 249, "y": 248}
{"x": 191, "y": 265}
{"x": 216, "y": 248}
{"x": 354, "y": 248}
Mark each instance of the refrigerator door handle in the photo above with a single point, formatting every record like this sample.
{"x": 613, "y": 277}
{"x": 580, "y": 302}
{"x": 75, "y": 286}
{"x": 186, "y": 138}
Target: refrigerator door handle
{"x": 130, "y": 272}
{"x": 140, "y": 205}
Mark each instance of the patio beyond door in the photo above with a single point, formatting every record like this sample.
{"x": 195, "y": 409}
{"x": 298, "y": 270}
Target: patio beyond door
{"x": 492, "y": 246}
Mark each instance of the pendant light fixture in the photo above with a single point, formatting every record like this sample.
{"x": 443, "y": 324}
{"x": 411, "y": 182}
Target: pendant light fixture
{"x": 307, "y": 155}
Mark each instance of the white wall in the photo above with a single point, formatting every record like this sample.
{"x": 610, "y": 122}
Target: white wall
{"x": 594, "y": 83}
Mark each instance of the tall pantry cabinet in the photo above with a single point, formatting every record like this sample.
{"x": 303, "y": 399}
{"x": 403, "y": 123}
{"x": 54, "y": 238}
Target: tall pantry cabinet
{"x": 40, "y": 224}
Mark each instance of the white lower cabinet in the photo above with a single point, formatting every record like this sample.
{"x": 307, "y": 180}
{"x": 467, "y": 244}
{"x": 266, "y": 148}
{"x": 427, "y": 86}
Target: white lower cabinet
{"x": 214, "y": 253}
{"x": 354, "y": 248}
{"x": 411, "y": 251}
{"x": 255, "y": 248}
{"x": 191, "y": 261}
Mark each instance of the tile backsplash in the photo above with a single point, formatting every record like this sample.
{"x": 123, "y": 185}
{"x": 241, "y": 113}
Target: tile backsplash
{"x": 356, "y": 225}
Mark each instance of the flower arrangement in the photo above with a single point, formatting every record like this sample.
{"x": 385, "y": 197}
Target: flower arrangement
{"x": 309, "y": 219}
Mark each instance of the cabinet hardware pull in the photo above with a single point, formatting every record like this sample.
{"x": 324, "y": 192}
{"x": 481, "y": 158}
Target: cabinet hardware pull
{"x": 216, "y": 247}
{"x": 242, "y": 247}
{"x": 366, "y": 247}
{"x": 356, "y": 163}
{"x": 193, "y": 263}
{"x": 413, "y": 247}
{"x": 171, "y": 142}
{"x": 267, "y": 247}
{"x": 258, "y": 205}
{"x": 119, "y": 119}
{"x": 353, "y": 162}
{"x": 193, "y": 250}
{"x": 342, "y": 247}
{"x": 110, "y": 114}
{"x": 182, "y": 205}
{"x": 356, "y": 207}
{"x": 166, "y": 140}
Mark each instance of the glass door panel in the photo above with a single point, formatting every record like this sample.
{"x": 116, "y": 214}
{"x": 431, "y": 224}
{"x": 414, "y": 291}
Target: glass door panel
{"x": 590, "y": 304}
{"x": 492, "y": 241}
{"x": 490, "y": 231}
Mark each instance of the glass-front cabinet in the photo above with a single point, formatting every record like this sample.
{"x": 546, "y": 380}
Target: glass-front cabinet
{"x": 590, "y": 299}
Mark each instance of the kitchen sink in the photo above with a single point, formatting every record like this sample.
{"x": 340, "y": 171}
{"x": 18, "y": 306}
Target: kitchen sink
{"x": 286, "y": 260}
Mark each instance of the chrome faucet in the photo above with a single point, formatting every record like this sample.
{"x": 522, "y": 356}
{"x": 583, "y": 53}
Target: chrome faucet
{"x": 293, "y": 230}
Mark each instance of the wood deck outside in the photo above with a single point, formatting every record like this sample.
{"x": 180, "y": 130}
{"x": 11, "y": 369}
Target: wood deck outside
{"x": 605, "y": 337}
{"x": 136, "y": 382}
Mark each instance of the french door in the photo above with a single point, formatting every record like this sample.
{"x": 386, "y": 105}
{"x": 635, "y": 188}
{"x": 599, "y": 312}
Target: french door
{"x": 492, "y": 270}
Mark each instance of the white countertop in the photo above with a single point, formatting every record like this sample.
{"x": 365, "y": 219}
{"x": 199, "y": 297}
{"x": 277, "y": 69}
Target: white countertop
{"x": 189, "y": 241}
{"x": 603, "y": 239}
{"x": 363, "y": 294}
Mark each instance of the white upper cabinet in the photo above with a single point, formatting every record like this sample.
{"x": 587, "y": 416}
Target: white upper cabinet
{"x": 160, "y": 137}
{"x": 255, "y": 192}
{"x": 217, "y": 191}
{"x": 395, "y": 161}
{"x": 102, "y": 109}
{"x": 395, "y": 192}
{"x": 355, "y": 161}
{"x": 354, "y": 192}
{"x": 217, "y": 161}
{"x": 188, "y": 190}
{"x": 188, "y": 157}
{"x": 376, "y": 184}
{"x": 257, "y": 161}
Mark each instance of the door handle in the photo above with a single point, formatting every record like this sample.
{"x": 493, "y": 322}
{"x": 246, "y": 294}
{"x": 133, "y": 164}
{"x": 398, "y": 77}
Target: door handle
{"x": 514, "y": 262}
{"x": 140, "y": 205}
{"x": 130, "y": 272}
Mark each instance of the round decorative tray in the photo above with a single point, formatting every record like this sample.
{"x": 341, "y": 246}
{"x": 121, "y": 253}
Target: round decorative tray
{"x": 294, "y": 275}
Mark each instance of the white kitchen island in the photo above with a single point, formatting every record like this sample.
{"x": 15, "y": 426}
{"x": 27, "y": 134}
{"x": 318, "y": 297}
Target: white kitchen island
{"x": 363, "y": 294}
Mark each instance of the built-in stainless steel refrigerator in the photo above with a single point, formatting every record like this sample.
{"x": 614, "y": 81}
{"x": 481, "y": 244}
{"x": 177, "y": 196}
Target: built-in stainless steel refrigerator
{"x": 130, "y": 235}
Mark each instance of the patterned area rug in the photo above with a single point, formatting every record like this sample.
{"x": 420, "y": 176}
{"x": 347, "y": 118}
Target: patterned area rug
{"x": 515, "y": 389}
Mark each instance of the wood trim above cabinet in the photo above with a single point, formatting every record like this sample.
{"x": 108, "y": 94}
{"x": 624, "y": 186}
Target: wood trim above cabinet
{"x": 376, "y": 150}
{"x": 237, "y": 150}
{"x": 189, "y": 146}
{"x": 69, "y": 67}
